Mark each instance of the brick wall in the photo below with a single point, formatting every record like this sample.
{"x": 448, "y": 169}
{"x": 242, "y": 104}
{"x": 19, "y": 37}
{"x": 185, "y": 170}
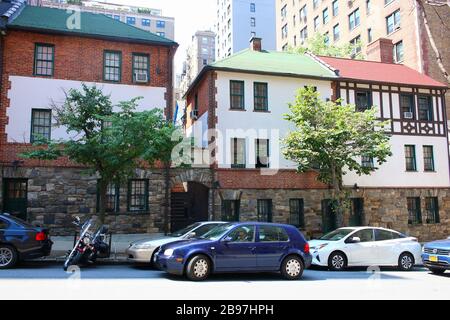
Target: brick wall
{"x": 205, "y": 91}
{"x": 79, "y": 59}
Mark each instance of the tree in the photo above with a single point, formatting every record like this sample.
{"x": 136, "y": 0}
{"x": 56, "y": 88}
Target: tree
{"x": 111, "y": 141}
{"x": 318, "y": 45}
{"x": 330, "y": 138}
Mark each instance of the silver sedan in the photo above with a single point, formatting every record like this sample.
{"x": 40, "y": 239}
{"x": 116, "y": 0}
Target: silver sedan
{"x": 142, "y": 251}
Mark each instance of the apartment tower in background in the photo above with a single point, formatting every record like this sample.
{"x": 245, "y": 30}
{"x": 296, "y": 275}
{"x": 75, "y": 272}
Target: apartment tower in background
{"x": 239, "y": 20}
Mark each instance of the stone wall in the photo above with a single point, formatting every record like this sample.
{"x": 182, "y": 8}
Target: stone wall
{"x": 382, "y": 208}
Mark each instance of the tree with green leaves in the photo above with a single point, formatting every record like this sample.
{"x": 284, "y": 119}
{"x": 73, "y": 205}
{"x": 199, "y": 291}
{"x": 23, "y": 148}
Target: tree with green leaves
{"x": 331, "y": 138}
{"x": 111, "y": 141}
{"x": 318, "y": 45}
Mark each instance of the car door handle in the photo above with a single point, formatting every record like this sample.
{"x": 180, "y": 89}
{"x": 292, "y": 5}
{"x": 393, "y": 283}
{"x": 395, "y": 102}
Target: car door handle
{"x": 252, "y": 248}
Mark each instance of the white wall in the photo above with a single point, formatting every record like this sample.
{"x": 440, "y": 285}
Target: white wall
{"x": 263, "y": 125}
{"x": 27, "y": 93}
{"x": 393, "y": 172}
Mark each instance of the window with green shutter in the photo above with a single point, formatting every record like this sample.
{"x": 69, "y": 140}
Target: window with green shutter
{"x": 44, "y": 59}
{"x": 41, "y": 124}
{"x": 112, "y": 66}
{"x": 237, "y": 95}
{"x": 260, "y": 96}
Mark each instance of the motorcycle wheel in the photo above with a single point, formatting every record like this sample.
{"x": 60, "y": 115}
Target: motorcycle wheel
{"x": 72, "y": 261}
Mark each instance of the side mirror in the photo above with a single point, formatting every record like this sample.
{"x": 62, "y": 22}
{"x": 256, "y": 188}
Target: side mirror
{"x": 227, "y": 239}
{"x": 191, "y": 235}
{"x": 355, "y": 240}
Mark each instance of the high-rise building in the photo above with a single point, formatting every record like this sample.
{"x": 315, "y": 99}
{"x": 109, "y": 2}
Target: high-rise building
{"x": 401, "y": 23}
{"x": 141, "y": 17}
{"x": 239, "y": 20}
{"x": 200, "y": 53}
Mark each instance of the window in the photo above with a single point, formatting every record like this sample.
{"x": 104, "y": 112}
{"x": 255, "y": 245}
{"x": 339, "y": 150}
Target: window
{"x": 398, "y": 52}
{"x": 383, "y": 235}
{"x": 368, "y": 6}
{"x": 303, "y": 14}
{"x": 335, "y": 5}
{"x": 356, "y": 218}
{"x": 356, "y": 44}
{"x": 393, "y": 22}
{"x": 264, "y": 209}
{"x": 386, "y": 2}
{"x": 294, "y": 19}
{"x": 336, "y": 33}
{"x": 44, "y": 58}
{"x": 432, "y": 210}
{"x": 367, "y": 162}
{"x": 252, "y": 22}
{"x": 366, "y": 235}
{"x": 414, "y": 214}
{"x": 161, "y": 34}
{"x": 316, "y": 23}
{"x": 230, "y": 210}
{"x": 252, "y": 7}
{"x": 238, "y": 153}
{"x": 237, "y": 95}
{"x": 116, "y": 17}
{"x": 410, "y": 158}
{"x": 138, "y": 195}
{"x": 284, "y": 31}
{"x": 141, "y": 66}
{"x": 242, "y": 234}
{"x": 145, "y": 22}
{"x": 205, "y": 62}
{"x": 315, "y": 4}
{"x": 160, "y": 24}
{"x": 407, "y": 106}
{"x": 262, "y": 153}
{"x": 326, "y": 39}
{"x": 112, "y": 66}
{"x": 272, "y": 234}
{"x": 425, "y": 108}
{"x": 297, "y": 213}
{"x": 112, "y": 198}
{"x": 284, "y": 12}
{"x": 41, "y": 124}
{"x": 428, "y": 158}
{"x": 260, "y": 96}
{"x": 304, "y": 33}
{"x": 363, "y": 100}
{"x": 369, "y": 35}
{"x": 354, "y": 19}
{"x": 325, "y": 16}
{"x": 131, "y": 20}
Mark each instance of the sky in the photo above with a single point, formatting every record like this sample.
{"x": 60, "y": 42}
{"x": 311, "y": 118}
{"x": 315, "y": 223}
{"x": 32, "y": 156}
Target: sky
{"x": 190, "y": 16}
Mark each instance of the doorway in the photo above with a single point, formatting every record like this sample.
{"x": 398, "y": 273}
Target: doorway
{"x": 15, "y": 197}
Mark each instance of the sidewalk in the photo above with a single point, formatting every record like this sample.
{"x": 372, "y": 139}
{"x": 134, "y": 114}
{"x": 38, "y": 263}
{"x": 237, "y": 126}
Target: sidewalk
{"x": 119, "y": 243}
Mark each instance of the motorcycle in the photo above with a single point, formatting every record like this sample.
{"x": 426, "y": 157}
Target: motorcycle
{"x": 89, "y": 245}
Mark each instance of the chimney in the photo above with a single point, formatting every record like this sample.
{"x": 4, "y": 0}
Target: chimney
{"x": 381, "y": 50}
{"x": 255, "y": 44}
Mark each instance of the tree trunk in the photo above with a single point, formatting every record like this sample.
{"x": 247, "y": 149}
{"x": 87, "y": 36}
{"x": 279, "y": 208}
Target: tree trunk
{"x": 166, "y": 197}
{"x": 103, "y": 188}
{"x": 336, "y": 182}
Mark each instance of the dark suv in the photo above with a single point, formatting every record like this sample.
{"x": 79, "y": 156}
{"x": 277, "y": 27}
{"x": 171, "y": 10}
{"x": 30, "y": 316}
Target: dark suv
{"x": 20, "y": 240}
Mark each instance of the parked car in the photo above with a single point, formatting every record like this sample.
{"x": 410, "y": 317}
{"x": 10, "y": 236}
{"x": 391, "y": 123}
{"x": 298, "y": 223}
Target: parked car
{"x": 436, "y": 255}
{"x": 365, "y": 246}
{"x": 20, "y": 240}
{"x": 238, "y": 247}
{"x": 142, "y": 251}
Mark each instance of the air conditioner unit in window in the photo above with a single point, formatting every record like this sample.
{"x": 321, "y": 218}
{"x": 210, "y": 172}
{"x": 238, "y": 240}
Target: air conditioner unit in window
{"x": 141, "y": 77}
{"x": 408, "y": 115}
{"x": 397, "y": 26}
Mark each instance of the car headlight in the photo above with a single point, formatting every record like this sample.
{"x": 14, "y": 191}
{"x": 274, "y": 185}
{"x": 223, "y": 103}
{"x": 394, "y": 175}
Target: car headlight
{"x": 168, "y": 252}
{"x": 142, "y": 246}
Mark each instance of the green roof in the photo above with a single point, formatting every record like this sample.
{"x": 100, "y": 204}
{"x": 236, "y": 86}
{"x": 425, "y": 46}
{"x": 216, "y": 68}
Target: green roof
{"x": 274, "y": 62}
{"x": 91, "y": 25}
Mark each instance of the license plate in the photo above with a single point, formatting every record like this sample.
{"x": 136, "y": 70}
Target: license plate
{"x": 434, "y": 259}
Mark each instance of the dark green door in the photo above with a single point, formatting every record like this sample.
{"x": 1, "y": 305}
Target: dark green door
{"x": 15, "y": 197}
{"x": 357, "y": 214}
{"x": 230, "y": 210}
{"x": 329, "y": 221}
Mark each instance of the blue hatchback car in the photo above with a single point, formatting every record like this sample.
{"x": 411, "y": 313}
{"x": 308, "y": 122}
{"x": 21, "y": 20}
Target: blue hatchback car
{"x": 238, "y": 247}
{"x": 436, "y": 256}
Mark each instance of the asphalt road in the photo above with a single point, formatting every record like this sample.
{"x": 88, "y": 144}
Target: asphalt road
{"x": 132, "y": 282}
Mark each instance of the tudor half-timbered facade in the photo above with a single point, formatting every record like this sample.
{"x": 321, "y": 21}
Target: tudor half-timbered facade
{"x": 410, "y": 192}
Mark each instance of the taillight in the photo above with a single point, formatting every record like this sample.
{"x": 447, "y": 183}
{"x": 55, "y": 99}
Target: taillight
{"x": 306, "y": 248}
{"x": 41, "y": 236}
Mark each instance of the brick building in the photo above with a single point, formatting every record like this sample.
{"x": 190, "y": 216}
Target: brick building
{"x": 45, "y": 52}
{"x": 235, "y": 111}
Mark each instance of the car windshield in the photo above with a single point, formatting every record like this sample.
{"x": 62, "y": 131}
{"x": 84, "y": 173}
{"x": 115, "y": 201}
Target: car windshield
{"x": 217, "y": 232}
{"x": 185, "y": 230}
{"x": 337, "y": 235}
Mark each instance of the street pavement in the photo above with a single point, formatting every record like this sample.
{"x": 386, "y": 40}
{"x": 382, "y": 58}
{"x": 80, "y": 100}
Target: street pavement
{"x": 122, "y": 281}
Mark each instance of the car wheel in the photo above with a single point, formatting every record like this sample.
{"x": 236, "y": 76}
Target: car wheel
{"x": 292, "y": 268}
{"x": 198, "y": 268}
{"x": 406, "y": 261}
{"x": 437, "y": 271}
{"x": 8, "y": 257}
{"x": 337, "y": 261}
